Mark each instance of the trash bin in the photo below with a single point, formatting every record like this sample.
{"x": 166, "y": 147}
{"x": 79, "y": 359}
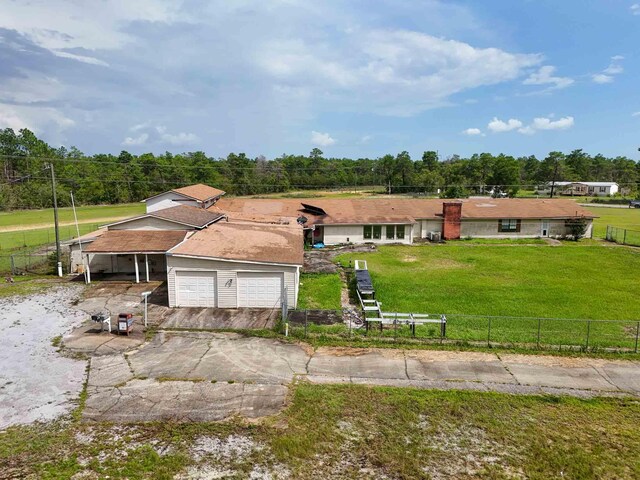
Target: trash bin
{"x": 125, "y": 323}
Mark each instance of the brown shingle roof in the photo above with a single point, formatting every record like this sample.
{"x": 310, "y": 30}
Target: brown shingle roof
{"x": 136, "y": 241}
{"x": 393, "y": 210}
{"x": 249, "y": 242}
{"x": 194, "y": 216}
{"x": 199, "y": 191}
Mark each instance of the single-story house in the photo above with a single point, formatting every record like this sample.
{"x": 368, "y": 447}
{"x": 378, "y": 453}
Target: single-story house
{"x": 199, "y": 195}
{"x": 404, "y": 220}
{"x": 242, "y": 252}
{"x": 583, "y": 189}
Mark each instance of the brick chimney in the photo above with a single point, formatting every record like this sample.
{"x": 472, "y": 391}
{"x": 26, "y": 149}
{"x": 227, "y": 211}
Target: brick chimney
{"x": 452, "y": 214}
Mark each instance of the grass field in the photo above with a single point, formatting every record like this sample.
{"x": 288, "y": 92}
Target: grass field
{"x": 88, "y": 214}
{"x": 350, "y": 432}
{"x": 319, "y": 291}
{"x": 472, "y": 282}
{"x": 618, "y": 217}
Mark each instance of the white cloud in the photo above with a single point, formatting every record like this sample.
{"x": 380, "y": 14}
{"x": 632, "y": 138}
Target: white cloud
{"x": 321, "y": 139}
{"x": 80, "y": 58}
{"x": 602, "y": 78}
{"x": 180, "y": 139}
{"x": 635, "y": 9}
{"x": 543, "y": 123}
{"x": 635, "y": 114}
{"x": 607, "y": 75}
{"x": 472, "y": 131}
{"x": 544, "y": 76}
{"x": 365, "y": 139}
{"x": 498, "y": 126}
{"x": 36, "y": 118}
{"x": 136, "y": 141}
{"x": 528, "y": 130}
{"x": 393, "y": 72}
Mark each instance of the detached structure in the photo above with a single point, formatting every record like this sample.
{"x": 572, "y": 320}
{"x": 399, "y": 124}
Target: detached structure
{"x": 583, "y": 189}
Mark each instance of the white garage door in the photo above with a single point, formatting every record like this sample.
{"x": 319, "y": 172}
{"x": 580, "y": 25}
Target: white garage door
{"x": 260, "y": 290}
{"x": 196, "y": 289}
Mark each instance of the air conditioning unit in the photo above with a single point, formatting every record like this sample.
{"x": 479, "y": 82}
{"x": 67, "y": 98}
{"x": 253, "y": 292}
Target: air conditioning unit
{"x": 434, "y": 236}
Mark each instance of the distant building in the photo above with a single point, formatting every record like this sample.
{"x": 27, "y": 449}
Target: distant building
{"x": 582, "y": 189}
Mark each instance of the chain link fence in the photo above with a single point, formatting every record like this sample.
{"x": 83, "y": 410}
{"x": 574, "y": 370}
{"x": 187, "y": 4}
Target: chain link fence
{"x": 348, "y": 326}
{"x": 623, "y": 236}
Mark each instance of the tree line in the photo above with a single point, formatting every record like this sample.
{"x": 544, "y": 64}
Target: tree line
{"x": 110, "y": 179}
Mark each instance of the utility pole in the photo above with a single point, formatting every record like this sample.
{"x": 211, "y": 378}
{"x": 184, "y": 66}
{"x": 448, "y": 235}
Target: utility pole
{"x": 55, "y": 219}
{"x": 553, "y": 182}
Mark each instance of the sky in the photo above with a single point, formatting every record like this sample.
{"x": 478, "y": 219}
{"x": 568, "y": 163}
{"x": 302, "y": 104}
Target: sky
{"x": 355, "y": 78}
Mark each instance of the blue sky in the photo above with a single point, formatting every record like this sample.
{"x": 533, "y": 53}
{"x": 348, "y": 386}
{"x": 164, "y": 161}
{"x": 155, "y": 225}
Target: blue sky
{"x": 354, "y": 78}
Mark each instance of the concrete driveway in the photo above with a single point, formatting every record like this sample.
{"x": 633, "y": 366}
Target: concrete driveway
{"x": 210, "y": 376}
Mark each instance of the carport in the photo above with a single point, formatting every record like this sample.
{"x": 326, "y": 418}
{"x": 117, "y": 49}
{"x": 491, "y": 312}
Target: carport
{"x": 141, "y": 252}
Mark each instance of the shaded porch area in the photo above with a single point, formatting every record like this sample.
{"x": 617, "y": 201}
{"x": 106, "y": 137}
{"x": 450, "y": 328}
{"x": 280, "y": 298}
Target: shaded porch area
{"x": 135, "y": 255}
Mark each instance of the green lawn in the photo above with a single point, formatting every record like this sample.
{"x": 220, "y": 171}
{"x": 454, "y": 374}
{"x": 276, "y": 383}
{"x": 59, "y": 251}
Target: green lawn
{"x": 618, "y": 217}
{"x": 350, "y": 432}
{"x": 471, "y": 283}
{"x": 319, "y": 291}
{"x": 86, "y": 214}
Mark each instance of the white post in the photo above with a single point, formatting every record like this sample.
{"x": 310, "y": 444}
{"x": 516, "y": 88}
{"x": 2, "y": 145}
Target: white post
{"x": 145, "y": 309}
{"x": 135, "y": 261}
{"x": 146, "y": 266}
{"x": 88, "y": 274}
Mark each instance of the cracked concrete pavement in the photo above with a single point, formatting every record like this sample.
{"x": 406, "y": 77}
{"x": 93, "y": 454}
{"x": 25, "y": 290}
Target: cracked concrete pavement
{"x": 210, "y": 376}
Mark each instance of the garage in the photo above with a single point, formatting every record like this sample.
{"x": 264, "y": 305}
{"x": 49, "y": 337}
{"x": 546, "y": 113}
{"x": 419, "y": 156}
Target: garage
{"x": 195, "y": 289}
{"x": 259, "y": 289}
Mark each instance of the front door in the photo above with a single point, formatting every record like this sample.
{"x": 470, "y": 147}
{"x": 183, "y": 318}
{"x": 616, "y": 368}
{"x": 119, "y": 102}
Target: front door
{"x": 545, "y": 228}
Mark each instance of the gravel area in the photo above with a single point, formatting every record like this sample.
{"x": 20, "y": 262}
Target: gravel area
{"x": 36, "y": 382}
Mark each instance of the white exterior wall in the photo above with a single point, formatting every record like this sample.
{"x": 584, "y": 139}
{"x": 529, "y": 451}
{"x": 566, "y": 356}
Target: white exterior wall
{"x": 422, "y": 229}
{"x": 168, "y": 200}
{"x": 227, "y": 283}
{"x": 149, "y": 223}
{"x": 529, "y": 228}
{"x": 337, "y": 234}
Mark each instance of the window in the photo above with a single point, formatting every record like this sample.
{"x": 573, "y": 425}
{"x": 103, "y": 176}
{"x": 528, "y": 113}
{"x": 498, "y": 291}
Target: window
{"x": 391, "y": 232}
{"x": 509, "y": 225}
{"x": 603, "y": 189}
{"x": 377, "y": 232}
{"x": 367, "y": 232}
{"x": 400, "y": 232}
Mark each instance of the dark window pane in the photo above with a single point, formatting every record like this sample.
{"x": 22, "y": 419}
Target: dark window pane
{"x": 377, "y": 232}
{"x": 390, "y": 232}
{"x": 367, "y": 232}
{"x": 400, "y": 232}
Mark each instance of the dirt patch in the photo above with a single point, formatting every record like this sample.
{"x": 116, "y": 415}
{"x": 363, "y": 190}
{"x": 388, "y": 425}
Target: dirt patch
{"x": 445, "y": 264}
{"x": 322, "y": 260}
{"x": 443, "y": 356}
{"x": 464, "y": 451}
{"x": 344, "y": 351}
{"x": 409, "y": 259}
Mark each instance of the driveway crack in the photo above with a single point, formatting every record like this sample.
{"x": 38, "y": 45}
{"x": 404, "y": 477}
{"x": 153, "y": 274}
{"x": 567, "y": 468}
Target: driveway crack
{"x": 506, "y": 367}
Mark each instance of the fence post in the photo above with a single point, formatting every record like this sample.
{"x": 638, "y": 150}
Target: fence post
{"x": 539, "y": 325}
{"x": 624, "y": 238}
{"x": 350, "y": 323}
{"x": 588, "y": 332}
{"x": 395, "y": 328}
{"x": 306, "y": 322}
{"x": 13, "y": 266}
{"x": 637, "y": 335}
{"x": 489, "y": 334}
